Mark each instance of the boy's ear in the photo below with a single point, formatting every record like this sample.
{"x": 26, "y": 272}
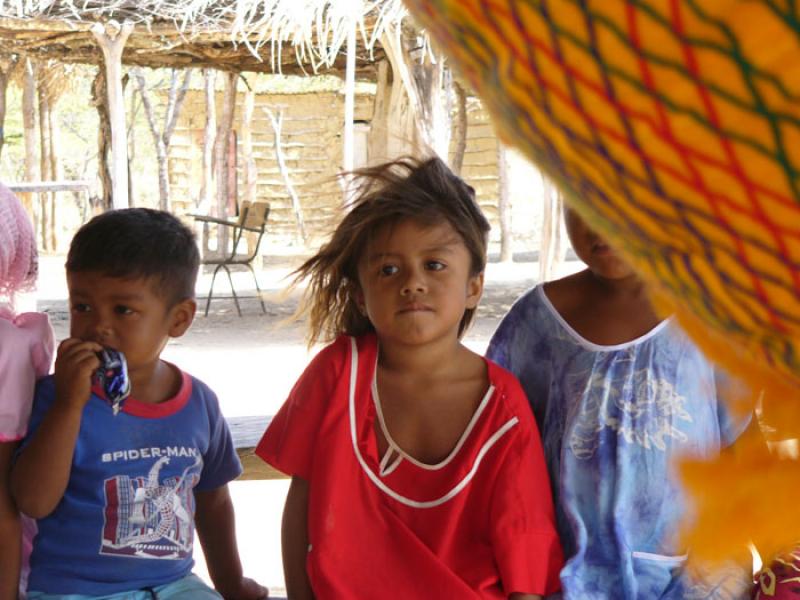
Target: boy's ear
{"x": 182, "y": 316}
{"x": 474, "y": 290}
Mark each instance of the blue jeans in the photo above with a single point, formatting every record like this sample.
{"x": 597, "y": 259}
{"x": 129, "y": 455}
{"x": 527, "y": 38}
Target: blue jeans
{"x": 190, "y": 587}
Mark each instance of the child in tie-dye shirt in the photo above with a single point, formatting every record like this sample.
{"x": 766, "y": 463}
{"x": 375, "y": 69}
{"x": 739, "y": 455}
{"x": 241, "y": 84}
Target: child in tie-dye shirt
{"x": 618, "y": 394}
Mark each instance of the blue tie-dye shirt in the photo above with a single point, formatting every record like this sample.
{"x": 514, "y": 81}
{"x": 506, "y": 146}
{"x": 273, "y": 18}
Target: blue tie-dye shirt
{"x": 612, "y": 419}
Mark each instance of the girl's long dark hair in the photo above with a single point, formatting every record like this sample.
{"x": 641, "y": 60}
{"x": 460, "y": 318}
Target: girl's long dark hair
{"x": 424, "y": 191}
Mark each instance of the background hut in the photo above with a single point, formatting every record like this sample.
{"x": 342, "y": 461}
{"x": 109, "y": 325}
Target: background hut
{"x": 417, "y": 105}
{"x": 310, "y": 140}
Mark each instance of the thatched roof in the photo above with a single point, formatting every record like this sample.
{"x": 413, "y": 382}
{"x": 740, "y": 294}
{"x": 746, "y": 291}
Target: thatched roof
{"x": 288, "y": 36}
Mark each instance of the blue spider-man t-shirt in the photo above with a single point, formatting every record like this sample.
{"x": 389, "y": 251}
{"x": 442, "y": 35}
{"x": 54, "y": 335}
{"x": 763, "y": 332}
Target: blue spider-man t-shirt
{"x": 126, "y": 520}
{"x": 613, "y": 419}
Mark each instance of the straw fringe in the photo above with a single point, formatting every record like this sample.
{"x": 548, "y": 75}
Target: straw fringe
{"x": 316, "y": 28}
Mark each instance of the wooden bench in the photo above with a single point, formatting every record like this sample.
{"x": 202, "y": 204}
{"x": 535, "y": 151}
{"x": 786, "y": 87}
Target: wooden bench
{"x": 246, "y": 433}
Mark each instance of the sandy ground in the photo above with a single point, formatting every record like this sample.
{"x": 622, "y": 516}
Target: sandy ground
{"x": 252, "y": 362}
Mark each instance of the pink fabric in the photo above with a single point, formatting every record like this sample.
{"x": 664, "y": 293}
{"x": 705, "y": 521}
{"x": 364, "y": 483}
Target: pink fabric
{"x": 18, "y": 256}
{"x": 26, "y": 351}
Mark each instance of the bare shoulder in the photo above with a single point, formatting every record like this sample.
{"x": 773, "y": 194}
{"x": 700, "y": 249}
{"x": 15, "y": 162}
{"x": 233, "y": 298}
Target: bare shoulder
{"x": 471, "y": 366}
{"x": 565, "y": 292}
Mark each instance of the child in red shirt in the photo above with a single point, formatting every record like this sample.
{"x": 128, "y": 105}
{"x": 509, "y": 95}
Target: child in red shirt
{"x": 417, "y": 470}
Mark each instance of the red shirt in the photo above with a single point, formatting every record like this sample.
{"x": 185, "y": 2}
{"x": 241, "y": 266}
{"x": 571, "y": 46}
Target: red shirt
{"x": 477, "y": 525}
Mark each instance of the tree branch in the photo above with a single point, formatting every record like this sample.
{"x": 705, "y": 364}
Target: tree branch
{"x": 175, "y": 104}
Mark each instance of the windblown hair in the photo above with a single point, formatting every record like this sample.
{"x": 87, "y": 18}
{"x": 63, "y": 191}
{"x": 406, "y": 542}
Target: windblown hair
{"x": 426, "y": 192}
{"x": 139, "y": 242}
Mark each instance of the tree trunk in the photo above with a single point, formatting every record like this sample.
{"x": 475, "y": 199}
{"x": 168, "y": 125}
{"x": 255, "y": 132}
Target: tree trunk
{"x": 163, "y": 175}
{"x": 222, "y": 156}
{"x": 250, "y": 168}
{"x": 460, "y": 128}
{"x": 111, "y": 39}
{"x": 551, "y": 252}
{"x": 103, "y": 135}
{"x": 162, "y": 138}
{"x": 44, "y": 166}
{"x": 378, "y": 140}
{"x": 207, "y": 191}
{"x": 56, "y": 172}
{"x": 161, "y": 151}
{"x": 7, "y": 67}
{"x": 506, "y": 231}
{"x": 277, "y": 124}
{"x": 348, "y": 137}
{"x": 158, "y": 140}
{"x": 434, "y": 115}
{"x": 131, "y": 136}
{"x": 29, "y": 124}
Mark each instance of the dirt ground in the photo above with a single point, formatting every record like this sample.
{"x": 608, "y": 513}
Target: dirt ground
{"x": 252, "y": 361}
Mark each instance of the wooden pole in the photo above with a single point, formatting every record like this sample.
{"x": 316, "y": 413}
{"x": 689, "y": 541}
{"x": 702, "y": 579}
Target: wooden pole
{"x": 224, "y": 128}
{"x": 131, "y": 135}
{"x": 552, "y": 247}
{"x": 7, "y": 67}
{"x": 207, "y": 193}
{"x": 111, "y": 38}
{"x": 29, "y": 125}
{"x": 348, "y": 139}
{"x": 250, "y": 168}
{"x": 378, "y": 140}
{"x": 222, "y": 157}
{"x": 56, "y": 170}
{"x": 506, "y": 233}
{"x": 460, "y": 128}
{"x": 100, "y": 101}
{"x": 45, "y": 216}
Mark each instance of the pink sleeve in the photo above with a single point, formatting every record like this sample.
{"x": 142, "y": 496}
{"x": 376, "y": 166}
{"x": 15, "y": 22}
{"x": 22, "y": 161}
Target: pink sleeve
{"x": 18, "y": 379}
{"x": 526, "y": 545}
{"x": 288, "y": 442}
{"x": 44, "y": 340}
{"x": 19, "y": 369}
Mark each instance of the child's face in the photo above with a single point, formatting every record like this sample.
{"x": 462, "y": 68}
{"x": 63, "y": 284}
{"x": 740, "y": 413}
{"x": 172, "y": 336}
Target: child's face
{"x": 415, "y": 282}
{"x": 593, "y": 250}
{"x": 126, "y": 314}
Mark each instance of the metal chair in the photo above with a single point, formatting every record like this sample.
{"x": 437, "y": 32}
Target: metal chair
{"x": 252, "y": 218}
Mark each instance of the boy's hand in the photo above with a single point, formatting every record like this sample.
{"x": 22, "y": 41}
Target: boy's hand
{"x": 247, "y": 590}
{"x": 76, "y": 362}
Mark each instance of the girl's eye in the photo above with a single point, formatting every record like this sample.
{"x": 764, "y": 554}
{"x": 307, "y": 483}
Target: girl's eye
{"x": 80, "y": 307}
{"x": 434, "y": 265}
{"x": 123, "y": 310}
{"x": 387, "y": 270}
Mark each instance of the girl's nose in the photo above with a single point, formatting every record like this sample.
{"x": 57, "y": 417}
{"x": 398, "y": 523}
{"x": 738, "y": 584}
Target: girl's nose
{"x": 414, "y": 284}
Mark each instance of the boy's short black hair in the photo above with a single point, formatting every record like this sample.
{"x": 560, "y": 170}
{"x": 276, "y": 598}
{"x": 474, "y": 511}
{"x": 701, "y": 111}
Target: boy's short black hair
{"x": 139, "y": 242}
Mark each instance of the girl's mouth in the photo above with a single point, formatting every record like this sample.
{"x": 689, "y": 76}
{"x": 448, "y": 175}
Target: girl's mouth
{"x": 414, "y": 307}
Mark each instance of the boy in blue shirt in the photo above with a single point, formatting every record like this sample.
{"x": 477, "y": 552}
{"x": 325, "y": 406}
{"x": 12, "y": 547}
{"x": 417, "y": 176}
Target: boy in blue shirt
{"x": 117, "y": 496}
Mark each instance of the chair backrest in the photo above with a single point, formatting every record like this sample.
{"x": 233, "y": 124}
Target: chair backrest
{"x": 253, "y": 216}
